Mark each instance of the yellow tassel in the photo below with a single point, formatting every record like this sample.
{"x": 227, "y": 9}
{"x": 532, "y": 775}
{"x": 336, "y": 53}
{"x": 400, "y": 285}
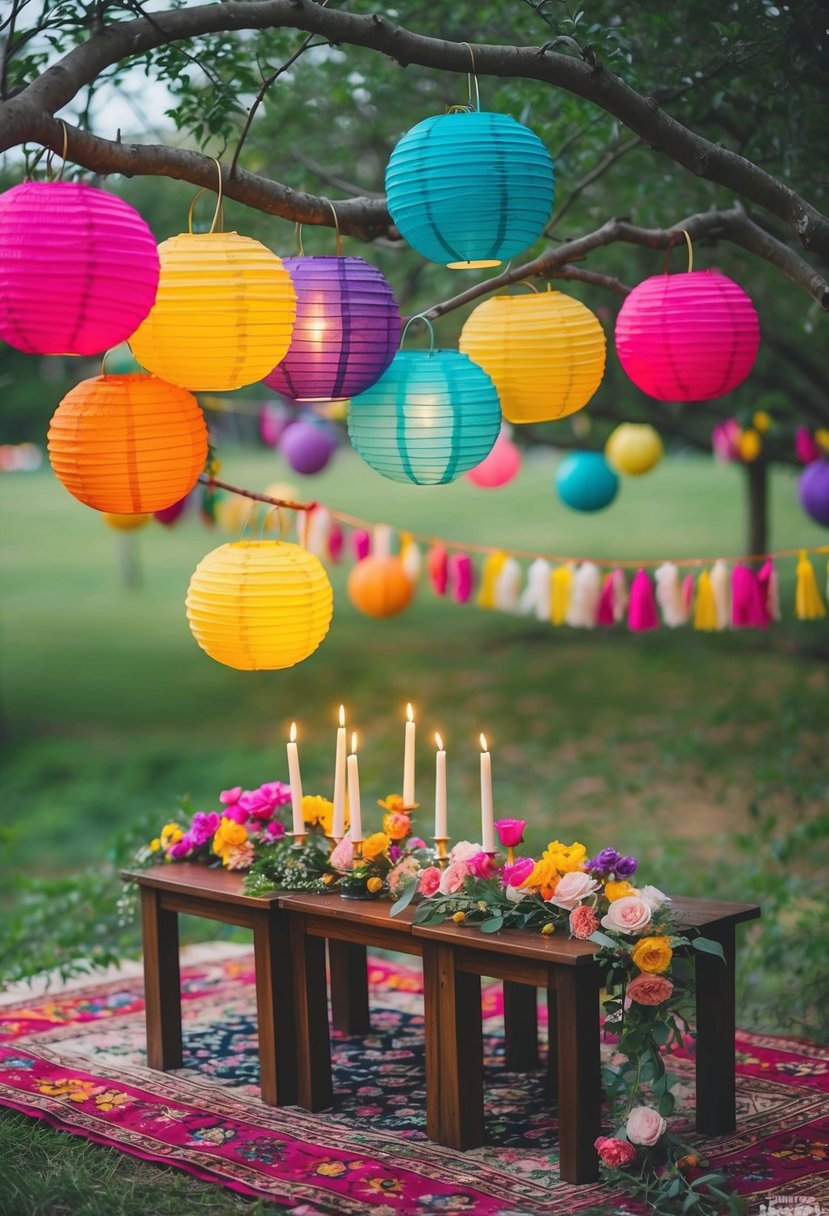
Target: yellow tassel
{"x": 808, "y": 605}
{"x": 561, "y": 586}
{"x": 705, "y": 607}
{"x": 492, "y": 567}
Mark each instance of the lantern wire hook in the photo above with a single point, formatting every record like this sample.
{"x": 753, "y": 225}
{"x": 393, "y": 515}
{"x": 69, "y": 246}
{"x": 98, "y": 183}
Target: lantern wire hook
{"x": 219, "y": 207}
{"x": 50, "y": 154}
{"x": 336, "y": 226}
{"x": 420, "y": 316}
{"x": 299, "y": 246}
{"x": 673, "y": 241}
{"x": 472, "y": 80}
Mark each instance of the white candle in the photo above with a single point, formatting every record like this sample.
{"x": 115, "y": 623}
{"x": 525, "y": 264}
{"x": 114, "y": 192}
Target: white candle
{"x": 441, "y": 832}
{"x": 354, "y": 808}
{"x": 296, "y": 784}
{"x": 487, "y": 817}
{"x": 409, "y": 760}
{"x": 338, "y": 821}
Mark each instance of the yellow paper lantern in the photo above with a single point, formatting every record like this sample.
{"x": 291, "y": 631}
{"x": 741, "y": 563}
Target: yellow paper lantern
{"x": 259, "y": 605}
{"x": 125, "y": 523}
{"x": 545, "y": 352}
{"x": 633, "y": 448}
{"x": 223, "y": 315}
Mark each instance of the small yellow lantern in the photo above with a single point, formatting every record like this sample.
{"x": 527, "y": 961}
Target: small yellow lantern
{"x": 633, "y": 448}
{"x": 259, "y": 605}
{"x": 545, "y": 352}
{"x": 125, "y": 523}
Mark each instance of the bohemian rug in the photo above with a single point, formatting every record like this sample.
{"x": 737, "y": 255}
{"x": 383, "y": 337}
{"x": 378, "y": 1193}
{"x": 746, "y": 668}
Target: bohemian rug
{"x": 76, "y": 1058}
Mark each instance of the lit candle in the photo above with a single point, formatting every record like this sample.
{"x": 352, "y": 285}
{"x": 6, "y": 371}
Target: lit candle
{"x": 338, "y": 822}
{"x": 487, "y": 818}
{"x": 409, "y": 760}
{"x": 441, "y": 832}
{"x": 296, "y": 784}
{"x": 354, "y": 793}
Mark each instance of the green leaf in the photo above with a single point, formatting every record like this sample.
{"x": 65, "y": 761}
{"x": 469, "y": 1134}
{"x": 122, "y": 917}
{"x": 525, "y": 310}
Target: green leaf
{"x": 601, "y": 939}
{"x": 409, "y": 890}
{"x": 492, "y": 925}
{"x": 666, "y": 1105}
{"x": 708, "y": 947}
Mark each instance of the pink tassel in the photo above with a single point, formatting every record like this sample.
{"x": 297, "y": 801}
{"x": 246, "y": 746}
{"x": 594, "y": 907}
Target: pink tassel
{"x": 769, "y": 590}
{"x": 437, "y": 561}
{"x": 748, "y": 610}
{"x": 461, "y": 577}
{"x": 605, "y": 615}
{"x": 806, "y": 449}
{"x": 688, "y": 592}
{"x": 336, "y": 540}
{"x": 642, "y": 612}
{"x": 361, "y": 542}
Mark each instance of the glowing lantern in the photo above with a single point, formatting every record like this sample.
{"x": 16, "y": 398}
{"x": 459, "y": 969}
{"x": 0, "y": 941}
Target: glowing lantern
{"x": 814, "y": 491}
{"x": 308, "y": 444}
{"x": 687, "y": 337}
{"x": 545, "y": 353}
{"x": 499, "y": 467}
{"x": 468, "y": 189}
{"x": 78, "y": 269}
{"x": 586, "y": 482}
{"x": 346, "y": 332}
{"x": 633, "y": 448}
{"x": 259, "y": 605}
{"x": 430, "y": 417}
{"x": 380, "y": 586}
{"x": 128, "y": 443}
{"x": 223, "y": 315}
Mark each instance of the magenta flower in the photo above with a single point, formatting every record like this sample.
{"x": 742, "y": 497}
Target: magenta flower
{"x": 182, "y": 848}
{"x": 274, "y": 830}
{"x": 517, "y": 872}
{"x": 230, "y": 797}
{"x": 261, "y": 803}
{"x": 510, "y": 831}
{"x": 203, "y": 826}
{"x": 481, "y": 865}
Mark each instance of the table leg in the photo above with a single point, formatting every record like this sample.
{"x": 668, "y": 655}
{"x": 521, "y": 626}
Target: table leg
{"x": 716, "y": 1090}
{"x": 520, "y": 1027}
{"x": 274, "y": 1008}
{"x": 162, "y": 983}
{"x": 349, "y": 987}
{"x": 454, "y": 1051}
{"x": 552, "y": 1042}
{"x": 579, "y": 1077}
{"x": 313, "y": 1041}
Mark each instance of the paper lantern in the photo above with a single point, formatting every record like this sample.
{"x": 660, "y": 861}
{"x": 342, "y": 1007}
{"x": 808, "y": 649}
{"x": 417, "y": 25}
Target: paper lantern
{"x": 429, "y": 418}
{"x": 259, "y": 605}
{"x": 814, "y": 491}
{"x": 169, "y": 516}
{"x": 499, "y": 467}
{"x": 128, "y": 443}
{"x": 586, "y": 482}
{"x": 346, "y": 331}
{"x": 545, "y": 353}
{"x": 308, "y": 445}
{"x": 223, "y": 315}
{"x": 633, "y": 448}
{"x": 725, "y": 439}
{"x": 687, "y": 337}
{"x": 468, "y": 189}
{"x": 78, "y": 269}
{"x": 380, "y": 586}
{"x": 125, "y": 523}
{"x": 274, "y": 418}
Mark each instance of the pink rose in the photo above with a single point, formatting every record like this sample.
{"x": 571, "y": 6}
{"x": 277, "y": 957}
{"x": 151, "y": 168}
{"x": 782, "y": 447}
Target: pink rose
{"x": 429, "y": 881}
{"x": 649, "y": 989}
{"x": 453, "y": 878}
{"x": 230, "y": 797}
{"x": 645, "y": 1126}
{"x": 236, "y": 812}
{"x": 584, "y": 920}
{"x": 615, "y": 1153}
{"x": 342, "y": 856}
{"x": 261, "y": 803}
{"x": 573, "y": 888}
{"x": 274, "y": 830}
{"x": 516, "y": 873}
{"x": 463, "y": 850}
{"x": 481, "y": 865}
{"x": 510, "y": 831}
{"x": 182, "y": 848}
{"x": 630, "y": 914}
{"x": 404, "y": 869}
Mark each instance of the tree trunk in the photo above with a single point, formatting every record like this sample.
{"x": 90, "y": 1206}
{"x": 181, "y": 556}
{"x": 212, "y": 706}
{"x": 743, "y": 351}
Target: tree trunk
{"x": 757, "y": 502}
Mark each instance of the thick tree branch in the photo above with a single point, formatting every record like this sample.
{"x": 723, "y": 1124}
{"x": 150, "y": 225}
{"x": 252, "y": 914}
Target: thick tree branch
{"x": 642, "y": 115}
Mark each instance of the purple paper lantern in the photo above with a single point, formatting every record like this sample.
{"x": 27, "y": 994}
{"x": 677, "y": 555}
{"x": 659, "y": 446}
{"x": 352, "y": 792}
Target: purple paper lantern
{"x": 308, "y": 445}
{"x": 346, "y": 332}
{"x": 814, "y": 491}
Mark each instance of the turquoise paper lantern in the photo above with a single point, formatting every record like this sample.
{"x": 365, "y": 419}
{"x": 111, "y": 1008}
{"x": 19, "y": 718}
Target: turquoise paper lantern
{"x": 431, "y": 416}
{"x": 470, "y": 189}
{"x": 586, "y": 482}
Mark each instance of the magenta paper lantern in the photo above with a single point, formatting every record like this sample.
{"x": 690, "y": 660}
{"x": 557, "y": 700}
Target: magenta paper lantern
{"x": 687, "y": 337}
{"x": 274, "y": 419}
{"x": 814, "y": 491}
{"x": 346, "y": 332}
{"x": 499, "y": 467}
{"x": 78, "y": 269}
{"x": 308, "y": 444}
{"x": 725, "y": 439}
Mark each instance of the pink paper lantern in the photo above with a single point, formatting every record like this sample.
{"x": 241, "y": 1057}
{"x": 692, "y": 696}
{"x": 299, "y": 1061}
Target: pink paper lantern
{"x": 499, "y": 467}
{"x": 687, "y": 337}
{"x": 725, "y": 439}
{"x": 78, "y": 269}
{"x": 274, "y": 419}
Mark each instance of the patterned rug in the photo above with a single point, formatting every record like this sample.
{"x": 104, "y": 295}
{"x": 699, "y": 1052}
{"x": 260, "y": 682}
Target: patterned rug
{"x": 76, "y": 1058}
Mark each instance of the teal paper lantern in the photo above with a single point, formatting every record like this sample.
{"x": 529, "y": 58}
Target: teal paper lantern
{"x": 470, "y": 189}
{"x": 586, "y": 482}
{"x": 431, "y": 416}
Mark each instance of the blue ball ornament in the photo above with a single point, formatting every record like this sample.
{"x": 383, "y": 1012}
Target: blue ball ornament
{"x": 586, "y": 482}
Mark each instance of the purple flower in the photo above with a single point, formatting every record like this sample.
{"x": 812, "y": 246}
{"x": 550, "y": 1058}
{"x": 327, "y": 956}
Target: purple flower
{"x": 625, "y": 867}
{"x": 604, "y": 862}
{"x": 203, "y": 826}
{"x": 416, "y": 843}
{"x": 394, "y": 853}
{"x": 182, "y": 848}
{"x": 274, "y": 830}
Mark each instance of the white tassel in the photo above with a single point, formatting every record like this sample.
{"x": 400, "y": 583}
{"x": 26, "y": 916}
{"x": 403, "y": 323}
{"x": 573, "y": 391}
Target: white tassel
{"x": 669, "y": 596}
{"x": 584, "y": 597}
{"x": 508, "y": 586}
{"x": 536, "y": 595}
{"x": 721, "y": 586}
{"x": 318, "y": 531}
{"x": 411, "y": 557}
{"x": 620, "y": 595}
{"x": 773, "y": 595}
{"x": 382, "y": 539}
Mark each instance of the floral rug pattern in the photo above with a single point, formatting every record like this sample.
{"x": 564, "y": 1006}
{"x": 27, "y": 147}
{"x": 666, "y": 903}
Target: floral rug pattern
{"x": 77, "y": 1059}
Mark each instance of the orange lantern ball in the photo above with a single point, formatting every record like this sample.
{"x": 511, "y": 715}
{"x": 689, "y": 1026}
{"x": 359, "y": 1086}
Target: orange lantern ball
{"x": 128, "y": 444}
{"x": 380, "y": 586}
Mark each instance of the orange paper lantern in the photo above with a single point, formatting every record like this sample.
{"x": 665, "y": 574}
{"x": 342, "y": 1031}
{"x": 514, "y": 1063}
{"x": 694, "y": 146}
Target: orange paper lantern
{"x": 380, "y": 586}
{"x": 128, "y": 444}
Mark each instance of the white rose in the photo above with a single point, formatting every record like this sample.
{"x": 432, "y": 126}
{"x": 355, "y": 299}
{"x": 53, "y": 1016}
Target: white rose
{"x": 644, "y": 1126}
{"x": 463, "y": 850}
{"x": 572, "y": 889}
{"x": 515, "y": 894}
{"x": 630, "y": 914}
{"x": 654, "y": 897}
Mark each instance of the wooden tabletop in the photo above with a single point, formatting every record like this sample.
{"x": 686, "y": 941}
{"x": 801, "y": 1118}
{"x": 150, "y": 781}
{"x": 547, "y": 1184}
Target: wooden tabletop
{"x": 373, "y": 912}
{"x": 197, "y": 879}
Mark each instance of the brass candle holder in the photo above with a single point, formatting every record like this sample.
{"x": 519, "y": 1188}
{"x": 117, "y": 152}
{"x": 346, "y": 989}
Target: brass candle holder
{"x": 357, "y": 851}
{"x": 510, "y": 854}
{"x": 441, "y": 853}
{"x": 299, "y": 840}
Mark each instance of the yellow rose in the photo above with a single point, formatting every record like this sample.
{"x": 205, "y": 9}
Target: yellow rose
{"x": 653, "y": 954}
{"x": 617, "y": 890}
{"x": 543, "y": 877}
{"x": 374, "y": 885}
{"x": 171, "y": 833}
{"x": 566, "y": 857}
{"x": 317, "y": 810}
{"x": 374, "y": 845}
{"x": 155, "y": 845}
{"x": 229, "y": 835}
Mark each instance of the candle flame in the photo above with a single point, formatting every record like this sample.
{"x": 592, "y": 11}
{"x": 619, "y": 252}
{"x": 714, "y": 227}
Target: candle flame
{"x": 409, "y": 712}
{"x": 484, "y": 747}
{"x": 293, "y": 732}
{"x": 438, "y": 741}
{"x": 342, "y": 715}
{"x": 353, "y": 741}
